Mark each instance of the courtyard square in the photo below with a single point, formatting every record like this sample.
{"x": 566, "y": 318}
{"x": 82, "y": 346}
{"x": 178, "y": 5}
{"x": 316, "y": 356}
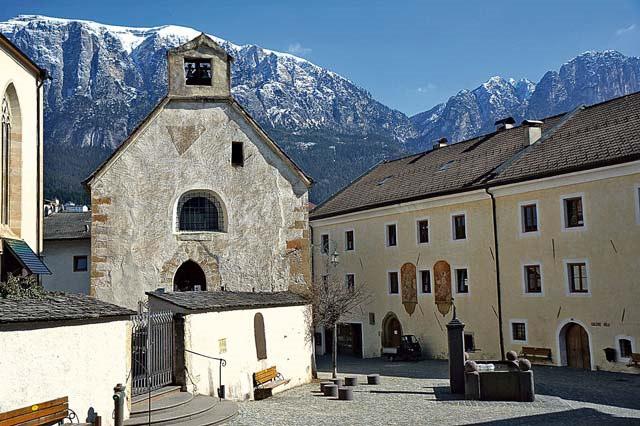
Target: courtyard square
{"x": 417, "y": 393}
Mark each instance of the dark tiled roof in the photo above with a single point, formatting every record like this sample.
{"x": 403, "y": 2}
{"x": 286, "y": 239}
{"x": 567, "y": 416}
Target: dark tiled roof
{"x": 58, "y": 307}
{"x": 595, "y": 136}
{"x": 454, "y": 168}
{"x": 590, "y": 137}
{"x": 229, "y": 300}
{"x": 67, "y": 226}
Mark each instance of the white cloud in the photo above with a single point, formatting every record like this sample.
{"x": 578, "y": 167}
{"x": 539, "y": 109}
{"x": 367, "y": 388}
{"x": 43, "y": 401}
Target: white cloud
{"x": 298, "y": 49}
{"x": 429, "y": 87}
{"x": 625, "y": 30}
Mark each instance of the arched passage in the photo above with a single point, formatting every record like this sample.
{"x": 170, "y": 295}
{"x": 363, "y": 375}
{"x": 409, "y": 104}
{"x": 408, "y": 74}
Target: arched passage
{"x": 575, "y": 350}
{"x": 189, "y": 277}
{"x": 391, "y": 331}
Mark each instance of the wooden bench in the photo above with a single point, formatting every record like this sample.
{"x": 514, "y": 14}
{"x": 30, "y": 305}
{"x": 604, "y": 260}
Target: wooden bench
{"x": 265, "y": 381}
{"x": 42, "y": 414}
{"x": 634, "y": 360}
{"x": 530, "y": 352}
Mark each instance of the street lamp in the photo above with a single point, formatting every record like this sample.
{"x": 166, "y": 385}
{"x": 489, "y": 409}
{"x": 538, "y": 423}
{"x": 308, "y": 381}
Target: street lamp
{"x": 334, "y": 258}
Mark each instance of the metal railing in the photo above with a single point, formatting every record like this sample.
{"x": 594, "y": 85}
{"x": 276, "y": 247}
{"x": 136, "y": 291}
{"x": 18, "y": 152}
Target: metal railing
{"x": 221, "y": 363}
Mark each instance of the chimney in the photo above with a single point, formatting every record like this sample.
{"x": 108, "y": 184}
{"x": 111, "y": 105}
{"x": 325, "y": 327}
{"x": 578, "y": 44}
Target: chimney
{"x": 505, "y": 123}
{"x": 532, "y": 131}
{"x": 442, "y": 142}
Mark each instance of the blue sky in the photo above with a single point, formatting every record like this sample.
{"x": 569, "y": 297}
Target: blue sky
{"x": 409, "y": 54}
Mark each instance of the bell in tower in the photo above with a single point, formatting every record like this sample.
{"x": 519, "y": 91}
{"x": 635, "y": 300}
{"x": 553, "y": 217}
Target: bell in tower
{"x": 199, "y": 68}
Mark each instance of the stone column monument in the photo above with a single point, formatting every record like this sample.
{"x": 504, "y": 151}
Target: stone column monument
{"x": 456, "y": 354}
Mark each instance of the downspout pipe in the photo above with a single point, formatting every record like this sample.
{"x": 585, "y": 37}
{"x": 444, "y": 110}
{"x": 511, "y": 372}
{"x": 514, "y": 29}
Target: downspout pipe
{"x": 497, "y": 264}
{"x": 42, "y": 76}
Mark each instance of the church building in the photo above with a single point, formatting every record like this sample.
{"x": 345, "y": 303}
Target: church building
{"x": 198, "y": 197}
{"x": 21, "y": 183}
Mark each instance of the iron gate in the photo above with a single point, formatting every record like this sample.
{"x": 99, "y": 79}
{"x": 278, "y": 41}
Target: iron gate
{"x": 152, "y": 351}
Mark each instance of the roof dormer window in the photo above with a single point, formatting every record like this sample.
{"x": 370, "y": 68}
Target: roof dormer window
{"x": 197, "y": 72}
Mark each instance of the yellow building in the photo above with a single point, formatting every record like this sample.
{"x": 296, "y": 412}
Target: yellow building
{"x": 21, "y": 183}
{"x": 532, "y": 231}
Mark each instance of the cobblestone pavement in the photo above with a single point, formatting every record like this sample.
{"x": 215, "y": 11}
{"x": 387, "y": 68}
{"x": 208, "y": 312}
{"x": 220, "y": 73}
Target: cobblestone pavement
{"x": 417, "y": 393}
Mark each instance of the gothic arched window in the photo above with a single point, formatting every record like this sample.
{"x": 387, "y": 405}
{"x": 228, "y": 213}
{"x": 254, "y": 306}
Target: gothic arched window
{"x": 4, "y": 176}
{"x": 200, "y": 211}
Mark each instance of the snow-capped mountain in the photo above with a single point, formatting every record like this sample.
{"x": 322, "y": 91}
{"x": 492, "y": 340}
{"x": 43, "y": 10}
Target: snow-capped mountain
{"x": 587, "y": 79}
{"x": 106, "y": 78}
{"x": 472, "y": 112}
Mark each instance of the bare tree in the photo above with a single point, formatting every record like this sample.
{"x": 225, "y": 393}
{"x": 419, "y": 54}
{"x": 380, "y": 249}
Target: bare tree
{"x": 333, "y": 300}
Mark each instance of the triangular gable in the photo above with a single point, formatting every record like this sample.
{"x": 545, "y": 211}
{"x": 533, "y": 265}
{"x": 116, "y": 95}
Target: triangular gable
{"x": 198, "y": 42}
{"x": 236, "y": 107}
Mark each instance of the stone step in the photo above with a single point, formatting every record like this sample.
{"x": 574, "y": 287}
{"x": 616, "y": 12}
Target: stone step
{"x": 156, "y": 394}
{"x": 222, "y": 412}
{"x": 164, "y": 402}
{"x": 177, "y": 415}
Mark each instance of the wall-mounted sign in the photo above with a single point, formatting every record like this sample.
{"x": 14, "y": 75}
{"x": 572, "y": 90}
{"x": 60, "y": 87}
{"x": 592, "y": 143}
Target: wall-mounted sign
{"x": 409, "y": 287}
{"x": 442, "y": 278}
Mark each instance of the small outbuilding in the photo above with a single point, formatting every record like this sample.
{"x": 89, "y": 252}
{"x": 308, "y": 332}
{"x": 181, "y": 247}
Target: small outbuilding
{"x": 251, "y": 331}
{"x": 63, "y": 345}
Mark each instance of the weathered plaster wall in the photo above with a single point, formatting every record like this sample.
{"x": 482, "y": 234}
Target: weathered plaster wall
{"x": 20, "y": 86}
{"x": 135, "y": 247}
{"x": 58, "y": 256}
{"x": 83, "y": 362}
{"x": 288, "y": 348}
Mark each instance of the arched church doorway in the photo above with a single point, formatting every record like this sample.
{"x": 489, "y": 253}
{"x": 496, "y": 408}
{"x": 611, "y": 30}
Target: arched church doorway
{"x": 574, "y": 342}
{"x": 391, "y": 331}
{"x": 189, "y": 277}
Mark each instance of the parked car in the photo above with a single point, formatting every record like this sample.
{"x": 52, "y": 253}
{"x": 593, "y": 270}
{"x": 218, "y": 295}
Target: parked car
{"x": 409, "y": 349}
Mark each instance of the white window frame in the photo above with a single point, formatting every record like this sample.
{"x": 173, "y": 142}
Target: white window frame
{"x": 386, "y": 235}
{"x": 521, "y": 231}
{"x": 419, "y": 219}
{"x": 344, "y": 233}
{"x": 389, "y": 282}
{"x": 636, "y": 197}
{"x": 563, "y": 213}
{"x": 346, "y": 280}
{"x": 526, "y": 331}
{"x": 453, "y": 226}
{"x": 455, "y": 280}
{"x": 525, "y": 285}
{"x": 619, "y": 337}
{"x": 419, "y": 281}
{"x": 328, "y": 244}
{"x": 567, "y": 283}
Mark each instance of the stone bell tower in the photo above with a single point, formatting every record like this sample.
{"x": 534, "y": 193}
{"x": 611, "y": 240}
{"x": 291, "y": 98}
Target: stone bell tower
{"x": 199, "y": 68}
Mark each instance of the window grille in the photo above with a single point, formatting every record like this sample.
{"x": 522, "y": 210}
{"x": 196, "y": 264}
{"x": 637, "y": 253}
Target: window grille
{"x": 625, "y": 348}
{"x": 200, "y": 211}
{"x": 519, "y": 331}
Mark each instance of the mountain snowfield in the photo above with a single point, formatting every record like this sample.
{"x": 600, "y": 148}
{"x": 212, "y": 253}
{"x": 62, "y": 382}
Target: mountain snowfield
{"x": 105, "y": 79}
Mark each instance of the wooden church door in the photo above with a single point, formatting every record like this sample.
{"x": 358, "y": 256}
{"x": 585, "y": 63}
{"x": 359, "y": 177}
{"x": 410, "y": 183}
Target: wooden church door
{"x": 577, "y": 345}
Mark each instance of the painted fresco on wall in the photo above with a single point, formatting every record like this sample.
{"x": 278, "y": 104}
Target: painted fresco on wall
{"x": 409, "y": 288}
{"x": 442, "y": 277}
